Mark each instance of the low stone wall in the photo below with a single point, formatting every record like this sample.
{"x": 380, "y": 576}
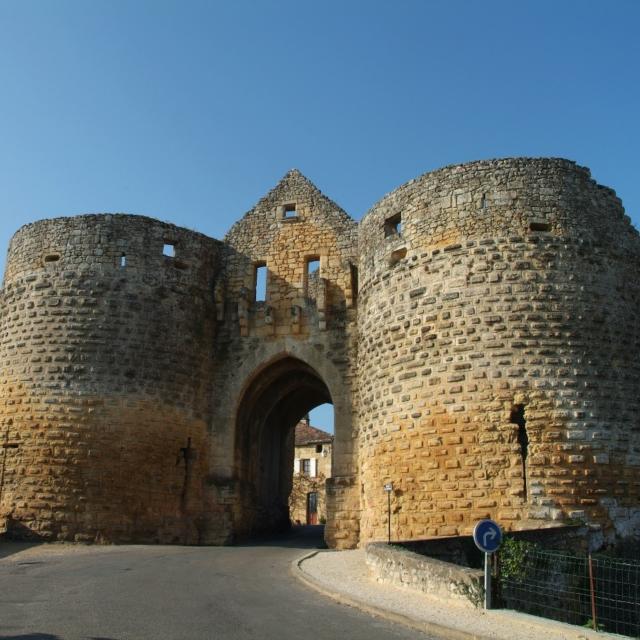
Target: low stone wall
{"x": 462, "y": 550}
{"x": 399, "y": 567}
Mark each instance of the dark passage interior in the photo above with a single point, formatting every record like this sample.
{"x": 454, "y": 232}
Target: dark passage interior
{"x": 275, "y": 400}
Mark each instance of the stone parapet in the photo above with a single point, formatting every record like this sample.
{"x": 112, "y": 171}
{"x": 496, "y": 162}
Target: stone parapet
{"x": 401, "y": 568}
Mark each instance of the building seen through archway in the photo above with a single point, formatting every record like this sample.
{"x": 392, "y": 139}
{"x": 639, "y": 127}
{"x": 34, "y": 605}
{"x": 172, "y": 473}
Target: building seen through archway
{"x": 313, "y": 450}
{"x": 278, "y": 399}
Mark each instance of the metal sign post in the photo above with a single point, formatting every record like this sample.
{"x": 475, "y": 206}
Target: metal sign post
{"x": 487, "y": 581}
{"x": 488, "y": 536}
{"x": 388, "y": 487}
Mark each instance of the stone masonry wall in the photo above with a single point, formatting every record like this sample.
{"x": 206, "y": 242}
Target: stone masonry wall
{"x": 390, "y": 564}
{"x": 105, "y": 356}
{"x": 507, "y": 294}
{"x": 311, "y": 319}
{"x": 477, "y": 334}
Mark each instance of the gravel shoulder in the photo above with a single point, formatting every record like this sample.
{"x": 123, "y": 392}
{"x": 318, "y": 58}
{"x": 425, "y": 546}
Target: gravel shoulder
{"x": 344, "y": 576}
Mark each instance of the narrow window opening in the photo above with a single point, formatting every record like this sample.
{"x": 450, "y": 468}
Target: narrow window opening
{"x": 517, "y": 417}
{"x": 354, "y": 282}
{"x": 393, "y": 226}
{"x": 313, "y": 266}
{"x": 483, "y": 201}
{"x": 123, "y": 261}
{"x": 312, "y": 276}
{"x": 52, "y": 257}
{"x": 290, "y": 211}
{"x": 169, "y": 250}
{"x": 260, "y": 278}
{"x": 539, "y": 225}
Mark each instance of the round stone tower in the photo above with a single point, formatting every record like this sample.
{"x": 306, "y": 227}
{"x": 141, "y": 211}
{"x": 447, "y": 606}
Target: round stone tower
{"x": 498, "y": 342}
{"x": 478, "y": 334}
{"x": 107, "y": 331}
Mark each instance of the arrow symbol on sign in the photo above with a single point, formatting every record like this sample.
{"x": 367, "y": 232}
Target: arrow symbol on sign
{"x": 491, "y": 534}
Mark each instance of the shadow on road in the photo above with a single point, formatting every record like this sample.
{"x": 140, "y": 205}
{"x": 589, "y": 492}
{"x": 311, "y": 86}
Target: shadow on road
{"x": 8, "y": 548}
{"x": 298, "y": 537}
{"x": 42, "y": 636}
{"x": 31, "y": 636}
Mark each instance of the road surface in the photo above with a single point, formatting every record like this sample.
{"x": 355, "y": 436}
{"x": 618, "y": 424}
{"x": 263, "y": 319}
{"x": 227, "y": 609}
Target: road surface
{"x": 68, "y": 592}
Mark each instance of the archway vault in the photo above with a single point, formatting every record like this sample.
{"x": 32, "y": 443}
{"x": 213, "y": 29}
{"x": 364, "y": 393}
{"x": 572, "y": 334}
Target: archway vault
{"x": 275, "y": 398}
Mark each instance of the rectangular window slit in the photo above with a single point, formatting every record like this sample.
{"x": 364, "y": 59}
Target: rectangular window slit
{"x": 539, "y": 225}
{"x": 393, "y": 226}
{"x": 290, "y": 211}
{"x": 169, "y": 250}
{"x": 517, "y": 417}
{"x": 313, "y": 266}
{"x": 312, "y": 276}
{"x": 123, "y": 261}
{"x": 260, "y": 278}
{"x": 354, "y": 282}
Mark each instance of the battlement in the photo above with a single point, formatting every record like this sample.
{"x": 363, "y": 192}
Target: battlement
{"x": 119, "y": 243}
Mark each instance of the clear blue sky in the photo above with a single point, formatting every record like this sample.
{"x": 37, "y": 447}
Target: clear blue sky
{"x": 190, "y": 111}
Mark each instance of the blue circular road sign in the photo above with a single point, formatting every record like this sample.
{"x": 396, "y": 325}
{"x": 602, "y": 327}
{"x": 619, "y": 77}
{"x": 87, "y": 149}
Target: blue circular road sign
{"x": 487, "y": 535}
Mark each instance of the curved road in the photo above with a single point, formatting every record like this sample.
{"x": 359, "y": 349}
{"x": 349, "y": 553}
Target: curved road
{"x": 64, "y": 592}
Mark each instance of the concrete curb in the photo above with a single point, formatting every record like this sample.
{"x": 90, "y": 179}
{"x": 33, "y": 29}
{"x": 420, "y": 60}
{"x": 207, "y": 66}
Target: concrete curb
{"x": 425, "y": 627}
{"x": 507, "y": 617}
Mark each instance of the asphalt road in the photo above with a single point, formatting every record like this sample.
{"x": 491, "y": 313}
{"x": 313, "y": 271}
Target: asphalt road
{"x": 62, "y": 592}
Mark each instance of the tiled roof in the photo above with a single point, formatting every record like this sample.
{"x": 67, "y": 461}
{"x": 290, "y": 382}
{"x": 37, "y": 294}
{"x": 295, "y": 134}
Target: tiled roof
{"x": 306, "y": 434}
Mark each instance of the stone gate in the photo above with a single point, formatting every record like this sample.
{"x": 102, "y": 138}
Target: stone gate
{"x": 477, "y": 333}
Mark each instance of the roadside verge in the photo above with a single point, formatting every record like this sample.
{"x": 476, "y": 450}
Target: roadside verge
{"x": 344, "y": 577}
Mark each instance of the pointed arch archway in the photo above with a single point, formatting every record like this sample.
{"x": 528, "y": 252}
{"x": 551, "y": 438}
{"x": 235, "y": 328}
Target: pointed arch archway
{"x": 275, "y": 398}
{"x": 275, "y": 384}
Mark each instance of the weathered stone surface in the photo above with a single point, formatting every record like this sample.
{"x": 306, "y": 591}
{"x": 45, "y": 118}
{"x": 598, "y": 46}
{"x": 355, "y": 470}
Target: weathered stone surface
{"x": 103, "y": 379}
{"x": 402, "y": 568}
{"x": 496, "y": 310}
{"x": 477, "y": 334}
